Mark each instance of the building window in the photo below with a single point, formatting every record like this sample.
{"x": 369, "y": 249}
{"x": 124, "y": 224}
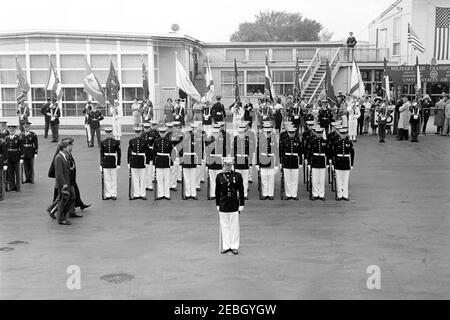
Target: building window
{"x": 38, "y": 98}
{"x": 74, "y": 102}
{"x": 128, "y": 96}
{"x": 9, "y": 105}
{"x": 238, "y": 54}
{"x": 8, "y": 73}
{"x": 283, "y": 82}
{"x": 396, "y": 49}
{"x": 227, "y": 83}
{"x": 282, "y": 54}
{"x": 397, "y": 36}
{"x": 257, "y": 54}
{"x": 255, "y": 83}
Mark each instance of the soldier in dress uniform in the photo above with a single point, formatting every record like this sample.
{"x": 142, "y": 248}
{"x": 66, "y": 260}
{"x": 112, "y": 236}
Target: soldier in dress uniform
{"x": 55, "y": 114}
{"x": 14, "y": 158}
{"x": 162, "y": 148}
{"x": 218, "y": 110}
{"x": 175, "y": 171}
{"x": 325, "y": 116}
{"x": 242, "y": 152}
{"x": 290, "y": 162}
{"x": 229, "y": 194}
{"x": 215, "y": 148}
{"x": 110, "y": 156}
{"x": 206, "y": 117}
{"x": 318, "y": 153}
{"x": 150, "y": 134}
{"x": 343, "y": 158}
{"x": 191, "y": 155}
{"x": 381, "y": 109}
{"x": 95, "y": 116}
{"x": 267, "y": 159}
{"x": 3, "y": 158}
{"x": 23, "y": 112}
{"x": 138, "y": 160}
{"x": 29, "y": 145}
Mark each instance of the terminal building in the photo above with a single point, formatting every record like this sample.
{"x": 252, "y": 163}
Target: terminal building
{"x": 68, "y": 50}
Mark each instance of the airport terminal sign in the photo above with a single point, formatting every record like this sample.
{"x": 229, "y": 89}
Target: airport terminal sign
{"x": 428, "y": 73}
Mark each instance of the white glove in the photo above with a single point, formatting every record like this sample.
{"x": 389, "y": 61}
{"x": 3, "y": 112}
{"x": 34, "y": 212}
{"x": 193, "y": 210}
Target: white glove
{"x": 309, "y": 167}
{"x": 257, "y": 167}
{"x": 129, "y": 166}
{"x": 21, "y": 161}
{"x": 118, "y": 167}
{"x": 327, "y": 166}
{"x": 241, "y": 208}
{"x": 5, "y": 168}
{"x": 351, "y": 168}
{"x": 281, "y": 166}
{"x": 100, "y": 168}
{"x": 276, "y": 168}
{"x": 35, "y": 156}
{"x": 147, "y": 165}
{"x": 218, "y": 208}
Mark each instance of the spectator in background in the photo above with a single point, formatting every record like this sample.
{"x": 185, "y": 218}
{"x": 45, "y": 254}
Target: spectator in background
{"x": 367, "y": 112}
{"x": 414, "y": 121}
{"x": 373, "y": 124}
{"x": 425, "y": 111}
{"x": 136, "y": 112}
{"x": 45, "y": 111}
{"x": 439, "y": 116}
{"x": 168, "y": 111}
{"x": 248, "y": 109}
{"x": 403, "y": 119}
{"x": 351, "y": 43}
{"x": 446, "y": 130}
{"x": 147, "y": 111}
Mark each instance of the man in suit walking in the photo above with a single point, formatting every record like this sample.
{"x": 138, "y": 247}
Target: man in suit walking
{"x": 66, "y": 191}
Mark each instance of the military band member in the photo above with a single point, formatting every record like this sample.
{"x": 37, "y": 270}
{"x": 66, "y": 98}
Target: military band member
{"x": 138, "y": 160}
{"x": 190, "y": 160}
{"x": 215, "y": 148}
{"x": 291, "y": 161}
{"x": 242, "y": 153}
{"x": 218, "y": 110}
{"x": 318, "y": 153}
{"x": 266, "y": 159}
{"x": 175, "y": 171}
{"x": 110, "y": 157}
{"x": 14, "y": 158}
{"x": 29, "y": 145}
{"x": 95, "y": 116}
{"x": 162, "y": 148}
{"x": 229, "y": 194}
{"x": 344, "y": 156}
{"x": 150, "y": 134}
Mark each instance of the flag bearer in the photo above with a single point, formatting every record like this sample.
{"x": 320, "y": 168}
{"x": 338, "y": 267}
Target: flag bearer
{"x": 110, "y": 157}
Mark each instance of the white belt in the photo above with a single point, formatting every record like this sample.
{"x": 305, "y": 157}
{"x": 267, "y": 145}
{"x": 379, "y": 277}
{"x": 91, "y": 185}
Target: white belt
{"x": 268, "y": 154}
{"x": 111, "y": 154}
{"x": 138, "y": 154}
{"x": 290, "y": 154}
{"x": 343, "y": 155}
{"x": 163, "y": 154}
{"x": 242, "y": 155}
{"x": 318, "y": 154}
{"x": 190, "y": 154}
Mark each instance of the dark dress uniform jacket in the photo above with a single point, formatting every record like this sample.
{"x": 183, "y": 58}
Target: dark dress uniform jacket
{"x": 288, "y": 148}
{"x": 241, "y": 148}
{"x": 263, "y": 158}
{"x": 343, "y": 154}
{"x": 191, "y": 144}
{"x": 138, "y": 153}
{"x": 56, "y": 112}
{"x": 229, "y": 191}
{"x": 29, "y": 145}
{"x": 108, "y": 147}
{"x": 62, "y": 171}
{"x": 332, "y": 138}
{"x": 179, "y": 114}
{"x": 3, "y": 155}
{"x": 94, "y": 119}
{"x": 163, "y": 145}
{"x": 206, "y": 116}
{"x": 151, "y": 136}
{"x": 318, "y": 153}
{"x": 13, "y": 149}
{"x": 325, "y": 117}
{"x": 218, "y": 112}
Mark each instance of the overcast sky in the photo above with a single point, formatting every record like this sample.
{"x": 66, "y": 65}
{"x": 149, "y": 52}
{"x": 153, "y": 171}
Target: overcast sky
{"x": 206, "y": 20}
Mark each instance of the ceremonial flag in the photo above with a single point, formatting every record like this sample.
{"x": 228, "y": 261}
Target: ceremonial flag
{"x": 387, "y": 87}
{"x": 209, "y": 82}
{"x": 442, "y": 34}
{"x": 53, "y": 83}
{"x": 236, "y": 81}
{"x": 112, "y": 85}
{"x": 297, "y": 88}
{"x": 22, "y": 84}
{"x": 414, "y": 40}
{"x": 329, "y": 89}
{"x": 93, "y": 87}
{"x": 268, "y": 85}
{"x": 418, "y": 79}
{"x": 145, "y": 81}
{"x": 183, "y": 81}
{"x": 357, "y": 88}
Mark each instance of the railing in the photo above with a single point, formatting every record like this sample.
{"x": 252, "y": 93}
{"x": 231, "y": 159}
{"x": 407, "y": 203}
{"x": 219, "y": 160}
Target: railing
{"x": 310, "y": 71}
{"x": 334, "y": 66}
{"x": 363, "y": 54}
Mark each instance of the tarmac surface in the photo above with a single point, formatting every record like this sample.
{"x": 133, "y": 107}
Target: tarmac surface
{"x": 398, "y": 219}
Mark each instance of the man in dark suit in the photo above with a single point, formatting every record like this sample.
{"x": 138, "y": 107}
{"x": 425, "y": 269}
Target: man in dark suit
{"x": 45, "y": 110}
{"x": 63, "y": 183}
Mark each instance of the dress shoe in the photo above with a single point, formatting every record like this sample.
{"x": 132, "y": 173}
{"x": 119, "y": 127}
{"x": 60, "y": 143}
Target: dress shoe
{"x": 194, "y": 198}
{"x": 52, "y": 215}
{"x": 179, "y": 181}
{"x": 159, "y": 198}
{"x": 270, "y": 198}
{"x": 107, "y": 198}
{"x": 287, "y": 198}
{"x": 250, "y": 181}
{"x": 346, "y": 199}
{"x": 144, "y": 198}
{"x": 295, "y": 198}
{"x": 113, "y": 198}
{"x": 134, "y": 198}
{"x": 167, "y": 198}
{"x": 76, "y": 216}
{"x": 235, "y": 251}
{"x": 173, "y": 189}
{"x": 262, "y": 198}
{"x": 223, "y": 251}
{"x": 85, "y": 206}
{"x": 65, "y": 222}
{"x": 198, "y": 189}
{"x": 322, "y": 198}
{"x": 202, "y": 181}
{"x": 338, "y": 199}
{"x": 314, "y": 198}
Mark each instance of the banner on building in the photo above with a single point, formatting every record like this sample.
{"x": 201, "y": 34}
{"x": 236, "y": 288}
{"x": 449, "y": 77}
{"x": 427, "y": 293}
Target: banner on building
{"x": 428, "y": 73}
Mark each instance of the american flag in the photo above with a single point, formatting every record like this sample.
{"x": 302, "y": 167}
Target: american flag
{"x": 441, "y": 38}
{"x": 414, "y": 40}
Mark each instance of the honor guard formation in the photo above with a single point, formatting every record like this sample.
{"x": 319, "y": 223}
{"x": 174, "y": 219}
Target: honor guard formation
{"x": 285, "y": 138}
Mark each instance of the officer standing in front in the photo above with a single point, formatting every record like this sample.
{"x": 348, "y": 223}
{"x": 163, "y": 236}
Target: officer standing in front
{"x": 162, "y": 148}
{"x": 29, "y": 144}
{"x": 14, "y": 158}
{"x": 344, "y": 156}
{"x": 110, "y": 157}
{"x": 291, "y": 161}
{"x": 267, "y": 159}
{"x": 138, "y": 160}
{"x": 229, "y": 194}
{"x": 317, "y": 160}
